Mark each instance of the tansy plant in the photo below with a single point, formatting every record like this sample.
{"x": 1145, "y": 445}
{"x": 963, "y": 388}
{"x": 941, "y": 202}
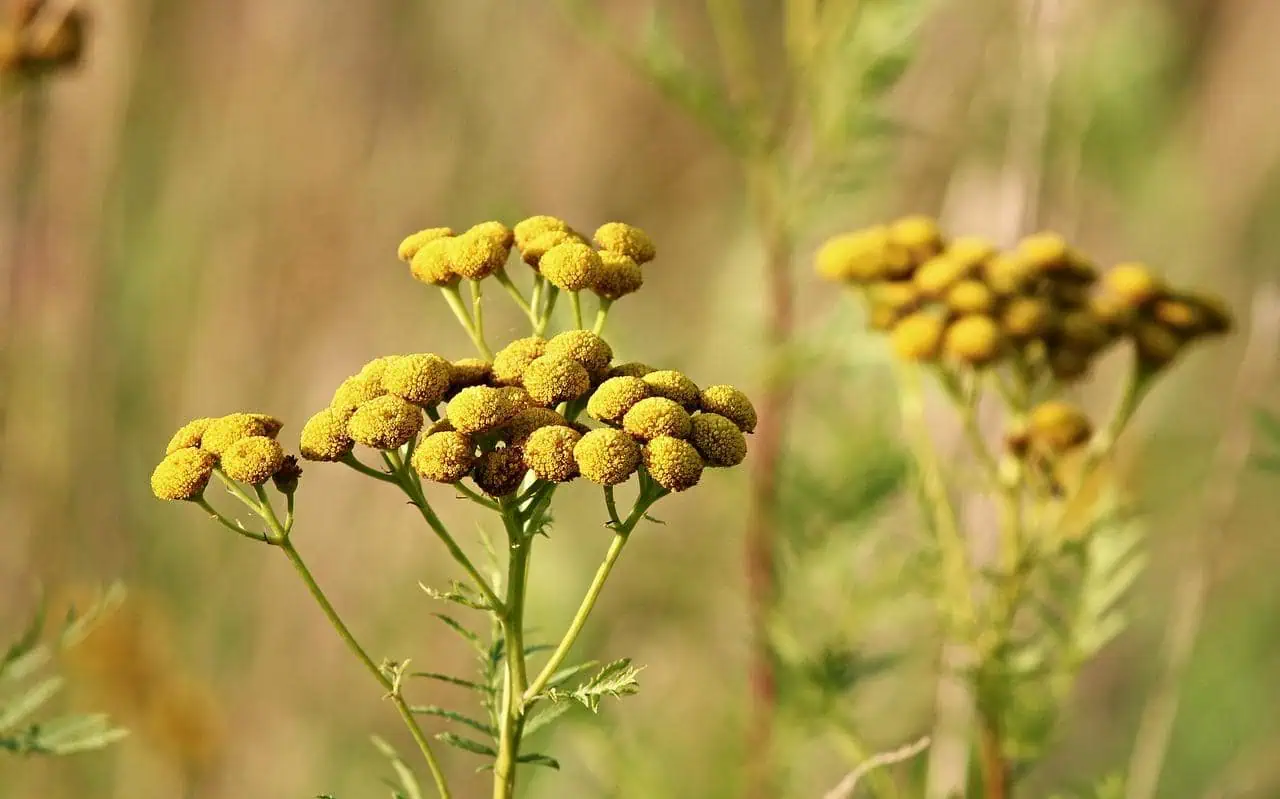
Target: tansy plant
{"x": 1012, "y": 332}
{"x": 503, "y": 431}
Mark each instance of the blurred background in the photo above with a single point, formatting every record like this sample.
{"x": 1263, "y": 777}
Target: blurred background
{"x": 213, "y": 200}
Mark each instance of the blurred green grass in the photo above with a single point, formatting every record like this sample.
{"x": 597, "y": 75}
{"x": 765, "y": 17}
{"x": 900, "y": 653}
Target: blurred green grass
{"x": 224, "y": 184}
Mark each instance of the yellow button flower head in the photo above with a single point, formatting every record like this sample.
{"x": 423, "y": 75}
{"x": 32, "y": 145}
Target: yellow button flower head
{"x": 656, "y": 416}
{"x": 718, "y": 440}
{"x": 1025, "y": 318}
{"x": 854, "y": 257}
{"x": 498, "y": 473}
{"x": 533, "y": 250}
{"x": 188, "y": 435}
{"x": 324, "y": 437}
{"x": 674, "y": 386}
{"x": 552, "y": 379}
{"x": 920, "y": 236}
{"x": 432, "y": 263}
{"x": 357, "y": 390}
{"x": 415, "y": 241}
{"x": 973, "y": 339}
{"x": 183, "y": 474}
{"x": 1008, "y": 274}
{"x": 444, "y": 457}
{"x": 571, "y": 266}
{"x": 222, "y": 433}
{"x": 607, "y": 457}
{"x": 273, "y": 425}
{"x": 1045, "y": 252}
{"x": 375, "y": 369}
{"x": 936, "y": 275}
{"x": 528, "y": 420}
{"x": 549, "y": 453}
{"x": 438, "y": 427}
{"x": 476, "y": 256}
{"x": 422, "y": 379}
{"x": 971, "y": 253}
{"x": 287, "y": 476}
{"x": 584, "y": 347}
{"x": 900, "y": 296}
{"x": 518, "y": 398}
{"x": 1133, "y": 284}
{"x": 618, "y": 276}
{"x": 1156, "y": 344}
{"x": 1059, "y": 426}
{"x": 970, "y": 296}
{"x": 479, "y": 408}
{"x": 385, "y": 422}
{"x": 917, "y": 337}
{"x": 627, "y": 240}
{"x": 469, "y": 372}
{"x": 529, "y": 229}
{"x": 730, "y": 403}
{"x": 614, "y": 397}
{"x": 1215, "y": 317}
{"x": 497, "y": 231}
{"x": 630, "y": 369}
{"x": 673, "y": 463}
{"x": 511, "y": 361}
{"x": 253, "y": 460}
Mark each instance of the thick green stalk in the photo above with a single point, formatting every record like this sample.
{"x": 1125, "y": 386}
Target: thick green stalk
{"x": 602, "y": 315}
{"x": 575, "y": 301}
{"x": 516, "y": 679}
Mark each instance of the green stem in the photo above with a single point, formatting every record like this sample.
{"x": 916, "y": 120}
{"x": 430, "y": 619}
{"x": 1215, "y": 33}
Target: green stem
{"x": 622, "y": 532}
{"x": 388, "y": 685}
{"x": 514, "y": 291}
{"x": 575, "y": 301}
{"x": 552, "y": 294}
{"x": 413, "y": 489}
{"x": 475, "y": 497}
{"x": 350, "y": 460}
{"x": 454, "y": 298}
{"x": 937, "y": 499}
{"x": 602, "y": 314}
{"x": 477, "y": 307}
{"x": 516, "y": 679}
{"x": 234, "y": 527}
{"x": 236, "y": 491}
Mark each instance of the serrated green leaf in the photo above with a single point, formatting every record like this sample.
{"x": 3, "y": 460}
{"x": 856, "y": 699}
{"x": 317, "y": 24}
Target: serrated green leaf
{"x": 27, "y": 641}
{"x": 68, "y": 735}
{"x": 535, "y": 759}
{"x": 616, "y": 679}
{"x": 16, "y": 710}
{"x": 564, "y": 675}
{"x": 546, "y": 716}
{"x": 466, "y": 744}
{"x": 466, "y": 634}
{"x": 408, "y": 781}
{"x": 458, "y": 594}
{"x": 444, "y": 713}
{"x": 458, "y": 681}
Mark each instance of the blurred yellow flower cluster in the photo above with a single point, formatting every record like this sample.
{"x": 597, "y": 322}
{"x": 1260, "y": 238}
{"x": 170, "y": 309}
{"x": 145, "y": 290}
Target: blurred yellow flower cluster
{"x": 1042, "y": 305}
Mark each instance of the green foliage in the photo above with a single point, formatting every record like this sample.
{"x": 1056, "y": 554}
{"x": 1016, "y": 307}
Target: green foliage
{"x": 1268, "y": 426}
{"x": 616, "y": 679}
{"x": 22, "y": 695}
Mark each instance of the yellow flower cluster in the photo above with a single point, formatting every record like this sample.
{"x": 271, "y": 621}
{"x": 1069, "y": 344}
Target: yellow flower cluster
{"x": 499, "y": 421}
{"x": 38, "y": 38}
{"x": 566, "y": 258}
{"x": 243, "y": 445}
{"x": 1042, "y": 304}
